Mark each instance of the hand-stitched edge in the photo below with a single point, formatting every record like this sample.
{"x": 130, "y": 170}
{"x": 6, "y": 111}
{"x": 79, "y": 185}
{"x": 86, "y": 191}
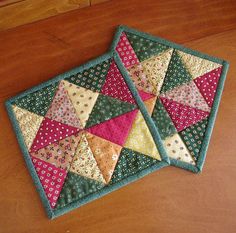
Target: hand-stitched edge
{"x": 214, "y": 110}
{"x": 55, "y": 213}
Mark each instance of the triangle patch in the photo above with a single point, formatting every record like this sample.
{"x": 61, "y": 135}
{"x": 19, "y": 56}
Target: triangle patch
{"x": 140, "y": 79}
{"x": 163, "y": 121}
{"x": 59, "y": 153}
{"x": 92, "y": 78}
{"x": 130, "y": 163}
{"x": 29, "y": 124}
{"x": 51, "y": 178}
{"x": 39, "y": 101}
{"x": 75, "y": 188}
{"x": 197, "y": 66}
{"x": 145, "y": 48}
{"x": 155, "y": 69}
{"x": 208, "y": 83}
{"x": 106, "y": 108}
{"x": 84, "y": 163}
{"x": 150, "y": 104}
{"x": 82, "y": 99}
{"x": 126, "y": 52}
{"x": 183, "y": 116}
{"x": 61, "y": 108}
{"x": 144, "y": 95}
{"x": 193, "y": 137}
{"x": 116, "y": 129}
{"x": 188, "y": 94}
{"x": 176, "y": 149}
{"x": 115, "y": 85}
{"x": 176, "y": 74}
{"x": 51, "y": 131}
{"x": 140, "y": 138}
{"x": 106, "y": 154}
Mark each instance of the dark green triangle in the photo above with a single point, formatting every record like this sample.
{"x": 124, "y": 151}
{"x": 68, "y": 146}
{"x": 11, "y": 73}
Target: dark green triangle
{"x": 75, "y": 188}
{"x": 176, "y": 74}
{"x": 193, "y": 137}
{"x": 163, "y": 121}
{"x": 130, "y": 162}
{"x": 106, "y": 108}
{"x": 145, "y": 48}
{"x": 39, "y": 101}
{"x": 92, "y": 78}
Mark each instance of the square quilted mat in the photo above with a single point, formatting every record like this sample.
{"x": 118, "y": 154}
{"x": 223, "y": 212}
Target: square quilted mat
{"x": 85, "y": 133}
{"x": 184, "y": 89}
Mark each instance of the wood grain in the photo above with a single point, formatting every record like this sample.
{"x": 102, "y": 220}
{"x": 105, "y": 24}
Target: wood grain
{"x": 8, "y": 2}
{"x": 28, "y": 11}
{"x": 170, "y": 200}
{"x": 93, "y": 2}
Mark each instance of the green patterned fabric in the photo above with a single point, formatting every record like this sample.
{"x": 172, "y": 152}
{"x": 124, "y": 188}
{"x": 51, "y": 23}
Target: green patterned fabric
{"x": 39, "y": 101}
{"x": 145, "y": 48}
{"x": 193, "y": 137}
{"x": 130, "y": 162}
{"x": 75, "y": 188}
{"x": 176, "y": 74}
{"x": 162, "y": 120}
{"x": 106, "y": 108}
{"x": 92, "y": 78}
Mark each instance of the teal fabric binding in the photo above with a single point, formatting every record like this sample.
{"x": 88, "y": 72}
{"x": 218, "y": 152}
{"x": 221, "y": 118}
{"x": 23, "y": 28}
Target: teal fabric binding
{"x": 55, "y": 213}
{"x": 212, "y": 117}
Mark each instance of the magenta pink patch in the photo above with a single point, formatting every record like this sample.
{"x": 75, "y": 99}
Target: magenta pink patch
{"x": 207, "y": 84}
{"x": 126, "y": 52}
{"x": 51, "y": 131}
{"x": 115, "y": 85}
{"x": 144, "y": 95}
{"x": 51, "y": 178}
{"x": 116, "y": 129}
{"x": 183, "y": 116}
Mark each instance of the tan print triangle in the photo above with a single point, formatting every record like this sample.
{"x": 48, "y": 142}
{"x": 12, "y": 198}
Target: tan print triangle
{"x": 140, "y": 138}
{"x": 197, "y": 66}
{"x": 29, "y": 124}
{"x": 84, "y": 163}
{"x": 155, "y": 69}
{"x": 82, "y": 99}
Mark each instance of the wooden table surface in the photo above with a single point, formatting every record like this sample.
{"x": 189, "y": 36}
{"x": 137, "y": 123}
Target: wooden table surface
{"x": 169, "y": 200}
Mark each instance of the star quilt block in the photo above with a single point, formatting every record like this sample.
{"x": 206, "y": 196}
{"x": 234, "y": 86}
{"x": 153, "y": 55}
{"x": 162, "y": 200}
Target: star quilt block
{"x": 86, "y": 133}
{"x": 181, "y": 89}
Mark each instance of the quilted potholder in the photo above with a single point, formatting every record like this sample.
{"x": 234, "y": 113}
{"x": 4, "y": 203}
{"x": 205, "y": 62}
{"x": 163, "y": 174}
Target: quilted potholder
{"x": 85, "y": 133}
{"x": 184, "y": 89}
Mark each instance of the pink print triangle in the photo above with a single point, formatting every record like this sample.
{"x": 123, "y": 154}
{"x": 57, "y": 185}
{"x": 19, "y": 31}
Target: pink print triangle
{"x": 126, "y": 52}
{"x": 59, "y": 153}
{"x": 116, "y": 129}
{"x": 207, "y": 84}
{"x": 51, "y": 178}
{"x": 188, "y": 94}
{"x": 183, "y": 116}
{"x": 144, "y": 95}
{"x": 62, "y": 110}
{"x": 115, "y": 85}
{"x": 51, "y": 131}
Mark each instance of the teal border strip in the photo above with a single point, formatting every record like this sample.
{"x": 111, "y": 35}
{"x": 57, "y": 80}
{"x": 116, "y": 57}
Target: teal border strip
{"x": 107, "y": 189}
{"x": 201, "y": 159}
